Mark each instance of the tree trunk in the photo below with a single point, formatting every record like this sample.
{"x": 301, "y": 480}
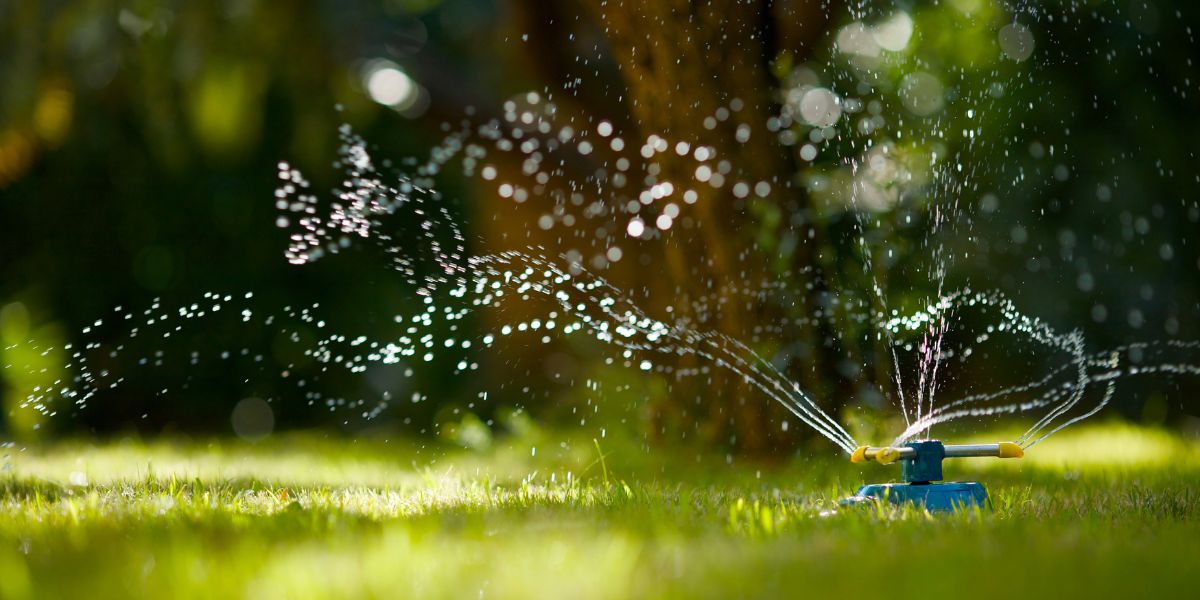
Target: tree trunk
{"x": 680, "y": 61}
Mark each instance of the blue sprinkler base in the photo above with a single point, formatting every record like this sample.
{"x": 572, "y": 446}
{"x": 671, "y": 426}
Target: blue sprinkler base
{"x": 935, "y": 497}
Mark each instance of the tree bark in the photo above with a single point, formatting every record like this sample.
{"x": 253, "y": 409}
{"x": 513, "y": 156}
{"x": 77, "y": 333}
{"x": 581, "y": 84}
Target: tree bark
{"x": 680, "y": 61}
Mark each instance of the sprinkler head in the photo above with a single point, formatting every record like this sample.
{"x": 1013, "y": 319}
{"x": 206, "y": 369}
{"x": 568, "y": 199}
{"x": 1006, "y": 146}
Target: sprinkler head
{"x": 921, "y": 470}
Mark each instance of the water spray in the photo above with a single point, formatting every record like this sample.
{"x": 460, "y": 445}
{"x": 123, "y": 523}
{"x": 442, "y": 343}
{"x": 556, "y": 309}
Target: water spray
{"x": 921, "y": 473}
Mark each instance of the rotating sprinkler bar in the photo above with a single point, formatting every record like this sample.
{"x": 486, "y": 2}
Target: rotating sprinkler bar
{"x": 921, "y": 469}
{"x": 887, "y": 455}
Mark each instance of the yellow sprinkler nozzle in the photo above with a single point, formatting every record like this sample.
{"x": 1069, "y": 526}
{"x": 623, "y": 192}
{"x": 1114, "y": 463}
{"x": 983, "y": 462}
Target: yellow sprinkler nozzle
{"x": 887, "y": 456}
{"x": 860, "y": 455}
{"x": 1010, "y": 450}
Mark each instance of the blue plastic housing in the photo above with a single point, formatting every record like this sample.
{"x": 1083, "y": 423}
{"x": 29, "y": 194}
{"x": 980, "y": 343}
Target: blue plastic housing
{"x": 926, "y": 465}
{"x": 934, "y": 497}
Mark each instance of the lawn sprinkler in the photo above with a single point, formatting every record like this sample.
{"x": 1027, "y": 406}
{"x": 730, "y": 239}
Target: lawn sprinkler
{"x": 921, "y": 472}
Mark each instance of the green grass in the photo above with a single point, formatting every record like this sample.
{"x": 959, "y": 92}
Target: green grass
{"x": 1100, "y": 511}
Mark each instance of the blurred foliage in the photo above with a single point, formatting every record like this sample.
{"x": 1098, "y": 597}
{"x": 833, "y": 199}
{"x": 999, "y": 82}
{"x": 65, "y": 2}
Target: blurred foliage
{"x": 36, "y": 366}
{"x": 138, "y": 144}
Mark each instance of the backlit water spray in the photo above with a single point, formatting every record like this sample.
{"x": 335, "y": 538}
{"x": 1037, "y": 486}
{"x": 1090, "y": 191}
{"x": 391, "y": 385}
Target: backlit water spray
{"x": 575, "y": 301}
{"x": 644, "y": 188}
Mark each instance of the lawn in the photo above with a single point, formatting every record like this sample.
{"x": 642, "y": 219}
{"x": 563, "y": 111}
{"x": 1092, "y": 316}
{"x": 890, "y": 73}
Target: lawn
{"x": 1100, "y": 511}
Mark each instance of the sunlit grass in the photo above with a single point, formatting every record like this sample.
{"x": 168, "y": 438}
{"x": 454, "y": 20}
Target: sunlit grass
{"x": 1101, "y": 511}
{"x": 1115, "y": 445}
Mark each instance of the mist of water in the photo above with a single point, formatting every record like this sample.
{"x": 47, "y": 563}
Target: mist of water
{"x": 627, "y": 198}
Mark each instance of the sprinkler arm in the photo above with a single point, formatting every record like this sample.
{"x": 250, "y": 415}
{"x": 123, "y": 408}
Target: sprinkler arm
{"x": 887, "y": 454}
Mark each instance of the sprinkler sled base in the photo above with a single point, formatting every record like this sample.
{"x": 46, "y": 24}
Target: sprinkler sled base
{"x": 934, "y": 497}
